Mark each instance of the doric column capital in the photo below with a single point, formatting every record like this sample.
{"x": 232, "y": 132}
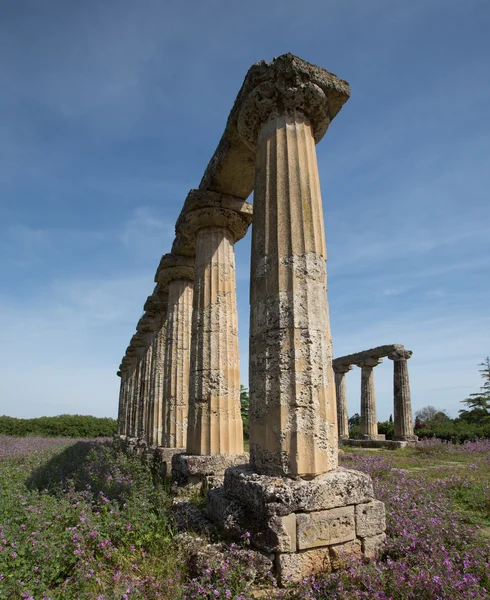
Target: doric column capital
{"x": 369, "y": 362}
{"x": 137, "y": 341}
{"x": 342, "y": 368}
{"x": 131, "y": 351}
{"x": 400, "y": 354}
{"x": 157, "y": 303}
{"x": 204, "y": 208}
{"x": 289, "y": 86}
{"x": 146, "y": 324}
{"x": 174, "y": 266}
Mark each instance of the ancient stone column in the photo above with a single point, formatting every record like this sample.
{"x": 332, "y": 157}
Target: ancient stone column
{"x": 342, "y": 414}
{"x": 178, "y": 273}
{"x": 293, "y": 420}
{"x": 213, "y": 223}
{"x": 140, "y": 391}
{"x": 132, "y": 393}
{"x": 123, "y": 397}
{"x": 369, "y": 423}
{"x": 146, "y": 331}
{"x": 120, "y": 409}
{"x": 402, "y": 408}
{"x": 157, "y": 388}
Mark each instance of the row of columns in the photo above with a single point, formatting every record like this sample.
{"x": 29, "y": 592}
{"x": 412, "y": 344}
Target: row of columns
{"x": 403, "y": 423}
{"x": 180, "y": 379}
{"x": 283, "y": 109}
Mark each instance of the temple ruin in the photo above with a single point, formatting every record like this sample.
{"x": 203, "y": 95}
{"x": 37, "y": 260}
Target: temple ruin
{"x": 180, "y": 377}
{"x": 402, "y": 406}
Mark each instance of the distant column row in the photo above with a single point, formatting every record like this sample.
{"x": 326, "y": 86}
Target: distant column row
{"x": 402, "y": 407}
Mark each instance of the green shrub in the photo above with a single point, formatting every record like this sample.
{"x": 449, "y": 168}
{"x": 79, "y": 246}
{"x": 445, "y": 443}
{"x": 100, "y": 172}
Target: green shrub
{"x": 457, "y": 431}
{"x": 61, "y": 426}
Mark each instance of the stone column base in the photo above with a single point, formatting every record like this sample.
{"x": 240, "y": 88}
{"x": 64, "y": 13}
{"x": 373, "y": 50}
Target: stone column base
{"x": 405, "y": 438}
{"x": 307, "y": 526}
{"x": 130, "y": 445}
{"x": 377, "y": 436}
{"x": 198, "y": 471}
{"x": 163, "y": 459}
{"x": 141, "y": 447}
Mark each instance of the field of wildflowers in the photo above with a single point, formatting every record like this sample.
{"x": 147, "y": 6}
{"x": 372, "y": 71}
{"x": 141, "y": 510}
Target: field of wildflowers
{"x": 81, "y": 520}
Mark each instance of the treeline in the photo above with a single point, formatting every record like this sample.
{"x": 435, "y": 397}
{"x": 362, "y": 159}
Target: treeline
{"x": 439, "y": 426}
{"x": 61, "y": 426}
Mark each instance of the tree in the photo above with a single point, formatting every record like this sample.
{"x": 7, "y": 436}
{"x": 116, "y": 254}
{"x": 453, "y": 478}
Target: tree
{"x": 429, "y": 416}
{"x": 244, "y": 409}
{"x": 426, "y": 414}
{"x": 355, "y": 421}
{"x": 478, "y": 404}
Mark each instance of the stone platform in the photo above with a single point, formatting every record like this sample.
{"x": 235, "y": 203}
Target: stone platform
{"x": 195, "y": 471}
{"x": 387, "y": 444}
{"x": 306, "y": 526}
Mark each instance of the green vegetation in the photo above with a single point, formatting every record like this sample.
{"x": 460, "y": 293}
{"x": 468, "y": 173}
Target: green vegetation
{"x": 244, "y": 408}
{"x": 73, "y": 426}
{"x": 81, "y": 520}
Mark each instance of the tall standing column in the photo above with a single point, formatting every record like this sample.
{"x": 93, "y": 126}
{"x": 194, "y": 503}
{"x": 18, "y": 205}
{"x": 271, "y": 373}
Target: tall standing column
{"x": 215, "y": 222}
{"x": 157, "y": 388}
{"x": 342, "y": 413}
{"x": 129, "y": 393}
{"x": 293, "y": 419}
{"x": 132, "y": 392}
{"x": 369, "y": 423}
{"x": 156, "y": 309}
{"x": 403, "y": 421}
{"x": 140, "y": 389}
{"x": 178, "y": 273}
{"x": 146, "y": 331}
{"x": 121, "y": 414}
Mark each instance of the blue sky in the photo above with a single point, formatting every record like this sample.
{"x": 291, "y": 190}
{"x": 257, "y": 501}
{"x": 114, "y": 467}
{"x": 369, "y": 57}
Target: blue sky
{"x": 110, "y": 113}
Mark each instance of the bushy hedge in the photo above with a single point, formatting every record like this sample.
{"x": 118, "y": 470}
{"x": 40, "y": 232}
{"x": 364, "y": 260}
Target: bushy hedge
{"x": 456, "y": 431}
{"x": 61, "y": 426}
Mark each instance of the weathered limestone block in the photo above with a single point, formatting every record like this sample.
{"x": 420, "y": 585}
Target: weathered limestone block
{"x": 326, "y": 527}
{"x": 372, "y": 547}
{"x": 267, "y": 533}
{"x": 227, "y": 513}
{"x": 343, "y": 552}
{"x": 370, "y": 519}
{"x": 190, "y": 469}
{"x": 369, "y": 423}
{"x": 281, "y": 496}
{"x": 163, "y": 459}
{"x": 292, "y": 568}
{"x": 293, "y": 421}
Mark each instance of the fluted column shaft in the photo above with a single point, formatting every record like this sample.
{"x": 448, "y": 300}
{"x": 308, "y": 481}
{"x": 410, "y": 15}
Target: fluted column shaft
{"x": 177, "y": 362}
{"x": 135, "y": 385}
{"x": 120, "y": 409}
{"x": 215, "y": 423}
{"x": 146, "y": 391}
{"x": 129, "y": 399}
{"x": 293, "y": 420}
{"x": 341, "y": 392}
{"x": 369, "y": 423}
{"x": 157, "y": 385}
{"x": 402, "y": 404}
{"x": 141, "y": 387}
